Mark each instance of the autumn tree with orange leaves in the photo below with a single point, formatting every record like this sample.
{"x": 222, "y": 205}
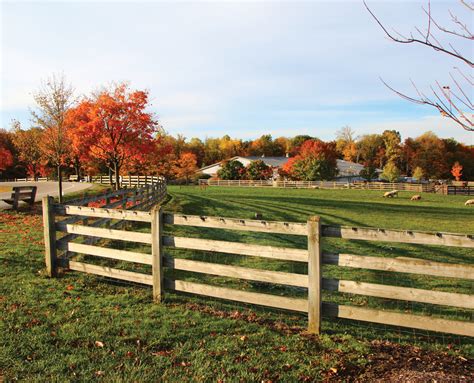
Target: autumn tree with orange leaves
{"x": 116, "y": 127}
{"x": 456, "y": 171}
{"x": 316, "y": 160}
{"x": 53, "y": 101}
{"x": 185, "y": 166}
{"x": 27, "y": 143}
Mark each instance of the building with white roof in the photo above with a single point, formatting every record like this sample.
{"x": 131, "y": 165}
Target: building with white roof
{"x": 347, "y": 170}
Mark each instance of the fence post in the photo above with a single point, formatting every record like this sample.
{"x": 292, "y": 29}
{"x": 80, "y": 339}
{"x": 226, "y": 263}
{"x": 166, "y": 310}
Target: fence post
{"x": 314, "y": 275}
{"x": 157, "y": 252}
{"x": 124, "y": 201}
{"x": 49, "y": 236}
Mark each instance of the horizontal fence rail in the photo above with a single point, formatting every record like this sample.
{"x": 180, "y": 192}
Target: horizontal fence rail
{"x": 139, "y": 180}
{"x": 161, "y": 263}
{"x": 401, "y": 236}
{"x": 383, "y": 186}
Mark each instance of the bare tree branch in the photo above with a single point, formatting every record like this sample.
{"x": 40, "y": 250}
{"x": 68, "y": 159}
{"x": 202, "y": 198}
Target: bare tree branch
{"x": 450, "y": 104}
{"x": 412, "y": 40}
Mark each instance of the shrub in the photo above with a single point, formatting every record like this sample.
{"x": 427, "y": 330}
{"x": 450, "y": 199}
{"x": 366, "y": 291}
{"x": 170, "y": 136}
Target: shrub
{"x": 231, "y": 170}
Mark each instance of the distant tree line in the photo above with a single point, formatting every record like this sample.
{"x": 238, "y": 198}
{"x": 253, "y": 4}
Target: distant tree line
{"x": 111, "y": 132}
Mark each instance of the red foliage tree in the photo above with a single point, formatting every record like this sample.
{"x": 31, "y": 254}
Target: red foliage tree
{"x": 115, "y": 126}
{"x": 316, "y": 160}
{"x": 6, "y": 158}
{"x": 456, "y": 171}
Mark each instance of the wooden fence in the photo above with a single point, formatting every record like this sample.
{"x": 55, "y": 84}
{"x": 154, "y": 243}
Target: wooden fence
{"x": 313, "y": 230}
{"x": 127, "y": 180}
{"x": 386, "y": 186}
{"x": 459, "y": 190}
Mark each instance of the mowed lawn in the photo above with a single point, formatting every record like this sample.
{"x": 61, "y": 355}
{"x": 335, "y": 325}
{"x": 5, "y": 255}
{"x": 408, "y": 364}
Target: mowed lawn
{"x": 80, "y": 327}
{"x": 342, "y": 207}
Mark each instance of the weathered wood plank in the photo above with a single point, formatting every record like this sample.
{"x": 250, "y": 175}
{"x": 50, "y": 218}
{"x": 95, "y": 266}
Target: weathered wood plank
{"x": 111, "y": 272}
{"x": 236, "y": 224}
{"x": 157, "y": 253}
{"x": 401, "y": 265}
{"x": 400, "y": 293}
{"x": 125, "y": 215}
{"x": 99, "y": 197}
{"x": 289, "y": 279}
{"x": 272, "y": 252}
{"x": 104, "y": 252}
{"x": 59, "y": 209}
{"x": 314, "y": 275}
{"x": 293, "y": 304}
{"x": 105, "y": 233}
{"x": 420, "y": 322}
{"x": 49, "y": 236}
{"x": 402, "y": 236}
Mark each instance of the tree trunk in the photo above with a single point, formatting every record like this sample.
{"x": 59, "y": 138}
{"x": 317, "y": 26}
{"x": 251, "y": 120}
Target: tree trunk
{"x": 117, "y": 179}
{"x": 60, "y": 184}
{"x": 110, "y": 177}
{"x": 78, "y": 171}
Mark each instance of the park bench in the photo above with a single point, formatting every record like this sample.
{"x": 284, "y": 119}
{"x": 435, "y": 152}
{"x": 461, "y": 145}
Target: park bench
{"x": 22, "y": 193}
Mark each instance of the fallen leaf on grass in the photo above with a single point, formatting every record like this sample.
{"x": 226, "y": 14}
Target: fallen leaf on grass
{"x": 98, "y": 343}
{"x": 161, "y": 353}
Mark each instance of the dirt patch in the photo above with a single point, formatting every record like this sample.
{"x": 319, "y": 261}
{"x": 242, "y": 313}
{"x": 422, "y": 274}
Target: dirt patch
{"x": 392, "y": 362}
{"x": 387, "y": 362}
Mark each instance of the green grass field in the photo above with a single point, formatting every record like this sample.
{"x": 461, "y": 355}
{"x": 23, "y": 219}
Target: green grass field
{"x": 80, "y": 327}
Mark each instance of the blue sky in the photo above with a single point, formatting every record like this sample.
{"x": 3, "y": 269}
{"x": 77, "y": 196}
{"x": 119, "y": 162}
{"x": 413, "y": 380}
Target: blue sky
{"x": 238, "y": 68}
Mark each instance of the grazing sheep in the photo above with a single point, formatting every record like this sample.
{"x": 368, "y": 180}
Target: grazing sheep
{"x": 469, "y": 202}
{"x": 391, "y": 194}
{"x": 416, "y": 197}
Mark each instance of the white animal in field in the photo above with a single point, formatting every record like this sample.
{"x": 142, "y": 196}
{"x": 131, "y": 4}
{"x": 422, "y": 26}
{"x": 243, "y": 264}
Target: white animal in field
{"x": 391, "y": 194}
{"x": 469, "y": 202}
{"x": 416, "y": 197}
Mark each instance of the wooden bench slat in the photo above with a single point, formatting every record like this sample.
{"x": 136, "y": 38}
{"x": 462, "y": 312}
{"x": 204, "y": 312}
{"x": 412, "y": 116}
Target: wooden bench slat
{"x": 19, "y": 195}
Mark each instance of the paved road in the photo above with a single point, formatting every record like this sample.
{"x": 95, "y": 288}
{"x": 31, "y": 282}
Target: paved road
{"x": 44, "y": 188}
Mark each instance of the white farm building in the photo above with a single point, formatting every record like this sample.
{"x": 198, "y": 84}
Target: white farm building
{"x": 347, "y": 169}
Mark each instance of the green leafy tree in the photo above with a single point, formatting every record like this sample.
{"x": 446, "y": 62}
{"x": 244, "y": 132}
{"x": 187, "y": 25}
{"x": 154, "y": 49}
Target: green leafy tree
{"x": 259, "y": 170}
{"x": 369, "y": 172}
{"x": 231, "y": 170}
{"x": 392, "y": 142}
{"x": 418, "y": 173}
{"x": 390, "y": 172}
